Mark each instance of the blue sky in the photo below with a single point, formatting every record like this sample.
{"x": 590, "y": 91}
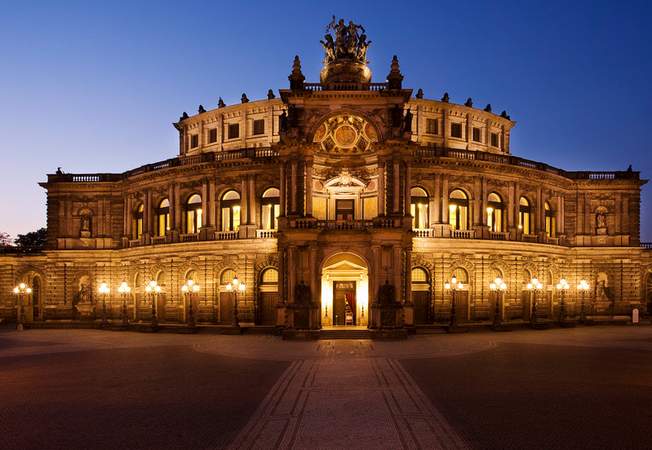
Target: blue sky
{"x": 94, "y": 86}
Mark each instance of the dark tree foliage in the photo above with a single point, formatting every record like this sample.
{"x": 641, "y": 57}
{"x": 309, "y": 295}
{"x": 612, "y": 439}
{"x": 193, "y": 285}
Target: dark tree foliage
{"x": 32, "y": 242}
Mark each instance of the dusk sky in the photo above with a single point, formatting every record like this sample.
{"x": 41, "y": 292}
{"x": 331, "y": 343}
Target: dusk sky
{"x": 94, "y": 87}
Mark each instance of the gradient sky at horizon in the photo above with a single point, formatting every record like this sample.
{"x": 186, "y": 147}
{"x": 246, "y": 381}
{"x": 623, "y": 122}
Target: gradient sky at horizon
{"x": 94, "y": 86}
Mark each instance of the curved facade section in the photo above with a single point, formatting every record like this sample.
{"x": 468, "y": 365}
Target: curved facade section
{"x": 344, "y": 202}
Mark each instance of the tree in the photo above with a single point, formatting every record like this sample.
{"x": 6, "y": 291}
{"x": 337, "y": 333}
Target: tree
{"x": 32, "y": 242}
{"x": 5, "y": 240}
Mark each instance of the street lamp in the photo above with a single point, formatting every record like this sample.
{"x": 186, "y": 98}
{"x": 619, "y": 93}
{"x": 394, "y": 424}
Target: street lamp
{"x": 562, "y": 287}
{"x": 583, "y": 287}
{"x": 534, "y": 286}
{"x": 124, "y": 291}
{"x": 498, "y": 287}
{"x": 20, "y": 291}
{"x": 453, "y": 286}
{"x": 153, "y": 289}
{"x": 188, "y": 289}
{"x": 104, "y": 291}
{"x": 234, "y": 286}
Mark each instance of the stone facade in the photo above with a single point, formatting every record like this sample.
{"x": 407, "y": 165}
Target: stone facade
{"x": 343, "y": 181}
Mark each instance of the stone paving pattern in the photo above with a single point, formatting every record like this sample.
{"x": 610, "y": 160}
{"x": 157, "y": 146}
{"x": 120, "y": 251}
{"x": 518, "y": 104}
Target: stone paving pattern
{"x": 588, "y": 387}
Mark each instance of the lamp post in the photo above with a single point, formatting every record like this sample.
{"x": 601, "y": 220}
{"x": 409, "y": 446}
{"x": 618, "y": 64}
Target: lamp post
{"x": 498, "y": 287}
{"x": 534, "y": 286}
{"x": 124, "y": 291}
{"x": 583, "y": 287}
{"x": 153, "y": 289}
{"x": 235, "y": 286}
{"x": 20, "y": 291}
{"x": 188, "y": 289}
{"x": 453, "y": 286}
{"x": 562, "y": 287}
{"x": 104, "y": 290}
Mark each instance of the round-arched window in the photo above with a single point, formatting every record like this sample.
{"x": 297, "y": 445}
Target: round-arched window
{"x": 230, "y": 207}
{"x": 419, "y": 207}
{"x": 495, "y": 211}
{"x": 270, "y": 208}
{"x": 193, "y": 214}
{"x": 458, "y": 210}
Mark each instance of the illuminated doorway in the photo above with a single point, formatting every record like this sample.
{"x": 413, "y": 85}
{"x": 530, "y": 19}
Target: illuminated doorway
{"x": 344, "y": 291}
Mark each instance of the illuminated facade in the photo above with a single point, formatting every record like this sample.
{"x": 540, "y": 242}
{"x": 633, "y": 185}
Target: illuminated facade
{"x": 328, "y": 199}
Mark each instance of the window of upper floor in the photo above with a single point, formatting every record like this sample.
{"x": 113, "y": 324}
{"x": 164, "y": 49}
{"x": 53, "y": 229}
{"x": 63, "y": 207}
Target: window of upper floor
{"x": 456, "y": 130}
{"x": 259, "y": 127}
{"x": 234, "y": 130}
{"x": 212, "y": 135}
{"x": 494, "y": 139}
{"x": 194, "y": 140}
{"x": 432, "y": 126}
{"x": 477, "y": 134}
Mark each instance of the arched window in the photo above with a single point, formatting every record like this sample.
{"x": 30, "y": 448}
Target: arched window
{"x": 230, "y": 205}
{"x": 269, "y": 276}
{"x": 193, "y": 214}
{"x": 551, "y": 220}
{"x": 419, "y": 276}
{"x": 163, "y": 217}
{"x": 226, "y": 276}
{"x": 271, "y": 208}
{"x": 495, "y": 212}
{"x": 524, "y": 216}
{"x": 419, "y": 207}
{"x": 462, "y": 276}
{"x": 458, "y": 210}
{"x": 138, "y": 221}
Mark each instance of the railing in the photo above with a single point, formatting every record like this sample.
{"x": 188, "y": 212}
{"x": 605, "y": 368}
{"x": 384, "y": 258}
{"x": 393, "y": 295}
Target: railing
{"x": 423, "y": 232}
{"x": 254, "y": 154}
{"x": 158, "y": 240}
{"x": 135, "y": 242}
{"x": 317, "y": 87}
{"x": 462, "y": 234}
{"x": 425, "y": 153}
{"x": 530, "y": 238}
{"x": 190, "y": 237}
{"x": 498, "y": 235}
{"x": 226, "y": 235}
{"x": 265, "y": 234}
{"x": 646, "y": 245}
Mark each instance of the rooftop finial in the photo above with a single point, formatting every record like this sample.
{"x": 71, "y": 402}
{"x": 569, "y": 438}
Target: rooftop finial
{"x": 419, "y": 93}
{"x": 244, "y": 98}
{"x": 296, "y": 77}
{"x": 201, "y": 109}
{"x": 445, "y": 98}
{"x": 345, "y": 53}
{"x": 488, "y": 107}
{"x": 395, "y": 78}
{"x": 270, "y": 94}
{"x": 220, "y": 103}
{"x": 469, "y": 102}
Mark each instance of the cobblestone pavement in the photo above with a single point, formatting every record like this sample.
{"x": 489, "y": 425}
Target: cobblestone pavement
{"x": 588, "y": 387}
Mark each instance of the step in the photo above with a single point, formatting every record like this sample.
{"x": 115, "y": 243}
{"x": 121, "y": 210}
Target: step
{"x": 344, "y": 334}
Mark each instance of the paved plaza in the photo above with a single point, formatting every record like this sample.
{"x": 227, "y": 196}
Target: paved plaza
{"x": 588, "y": 387}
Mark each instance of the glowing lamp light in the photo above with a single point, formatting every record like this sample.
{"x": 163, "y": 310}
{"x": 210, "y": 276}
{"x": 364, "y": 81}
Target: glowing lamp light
{"x": 583, "y": 285}
{"x": 22, "y": 286}
{"x": 16, "y": 290}
{"x": 28, "y": 290}
{"x": 103, "y": 288}
{"x": 124, "y": 288}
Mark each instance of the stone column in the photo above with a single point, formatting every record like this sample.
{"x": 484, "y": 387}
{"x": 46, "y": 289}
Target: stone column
{"x": 407, "y": 200}
{"x": 308, "y": 188}
{"x": 561, "y": 216}
{"x": 435, "y": 201}
{"x": 397, "y": 187}
{"x": 381, "y": 188}
{"x": 476, "y": 202}
{"x": 212, "y": 217}
{"x": 444, "y": 199}
{"x": 252, "y": 200}
{"x": 539, "y": 214}
{"x": 175, "y": 219}
{"x": 282, "y": 189}
{"x": 293, "y": 187}
{"x": 148, "y": 216}
{"x": 588, "y": 223}
{"x": 244, "y": 201}
{"x": 205, "y": 202}
{"x": 128, "y": 214}
{"x": 483, "y": 203}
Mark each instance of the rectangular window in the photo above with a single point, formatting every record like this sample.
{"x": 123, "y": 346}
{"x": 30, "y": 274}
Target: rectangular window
{"x": 432, "y": 126}
{"x": 456, "y": 130}
{"x": 344, "y": 209}
{"x": 194, "y": 140}
{"x": 212, "y": 135}
{"x": 476, "y": 135}
{"x": 259, "y": 127}
{"x": 234, "y": 130}
{"x": 494, "y": 139}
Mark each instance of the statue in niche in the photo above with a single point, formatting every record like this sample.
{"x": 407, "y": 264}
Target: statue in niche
{"x": 302, "y": 294}
{"x": 283, "y": 121}
{"x": 407, "y": 121}
{"x": 387, "y": 294}
{"x": 601, "y": 221}
{"x": 85, "y": 225}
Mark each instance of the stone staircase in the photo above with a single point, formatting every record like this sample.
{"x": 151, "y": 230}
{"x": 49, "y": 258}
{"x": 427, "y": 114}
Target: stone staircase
{"x": 344, "y": 333}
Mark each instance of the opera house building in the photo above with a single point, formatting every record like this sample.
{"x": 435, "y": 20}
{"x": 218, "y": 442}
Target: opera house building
{"x": 343, "y": 204}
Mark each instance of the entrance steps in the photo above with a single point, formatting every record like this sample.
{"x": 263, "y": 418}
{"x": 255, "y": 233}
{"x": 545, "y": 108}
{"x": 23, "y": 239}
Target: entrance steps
{"x": 345, "y": 333}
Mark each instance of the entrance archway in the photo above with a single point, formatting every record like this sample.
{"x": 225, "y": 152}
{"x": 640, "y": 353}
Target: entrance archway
{"x": 344, "y": 291}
